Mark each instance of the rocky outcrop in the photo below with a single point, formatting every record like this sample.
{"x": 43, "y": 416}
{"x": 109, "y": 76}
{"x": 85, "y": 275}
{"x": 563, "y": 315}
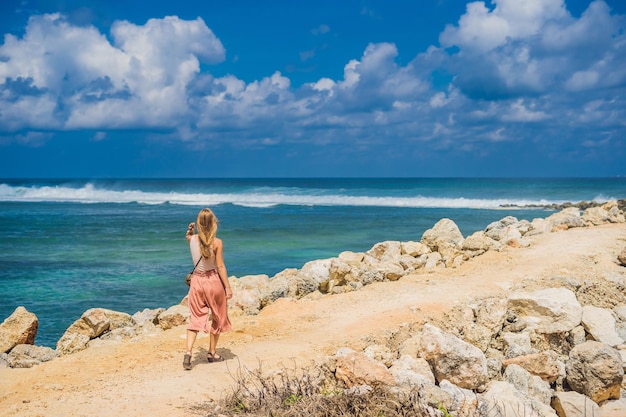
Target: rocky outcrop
{"x": 453, "y": 359}
{"x": 595, "y": 370}
{"x": 19, "y": 328}
{"x": 92, "y": 324}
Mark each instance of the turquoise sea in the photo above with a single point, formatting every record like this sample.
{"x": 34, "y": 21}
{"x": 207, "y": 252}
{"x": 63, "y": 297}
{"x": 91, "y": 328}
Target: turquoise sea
{"x": 70, "y": 245}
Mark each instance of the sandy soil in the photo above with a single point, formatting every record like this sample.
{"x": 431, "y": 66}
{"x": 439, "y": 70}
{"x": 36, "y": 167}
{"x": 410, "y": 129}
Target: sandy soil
{"x": 146, "y": 378}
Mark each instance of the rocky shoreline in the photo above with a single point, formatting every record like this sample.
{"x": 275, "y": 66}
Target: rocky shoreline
{"x": 582, "y": 205}
{"x": 534, "y": 350}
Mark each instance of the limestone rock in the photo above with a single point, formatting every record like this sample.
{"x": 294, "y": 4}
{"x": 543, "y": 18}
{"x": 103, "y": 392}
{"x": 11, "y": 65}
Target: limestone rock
{"x": 545, "y": 365}
{"x": 26, "y": 356}
{"x": 566, "y": 219}
{"x": 353, "y": 369}
{"x": 600, "y": 324}
{"x": 615, "y": 408}
{"x": 19, "y": 328}
{"x": 72, "y": 342}
{"x": 453, "y": 359}
{"x": 380, "y": 353}
{"x": 595, "y": 370}
{"x": 278, "y": 288}
{"x": 463, "y": 402}
{"x": 491, "y": 312}
{"x": 411, "y": 371}
{"x": 433, "y": 259}
{"x": 97, "y": 320}
{"x": 528, "y": 384}
{"x": 445, "y": 238}
{"x": 173, "y": 316}
{"x": 595, "y": 216}
{"x": 502, "y": 399}
{"x": 477, "y": 335}
{"x": 245, "y": 301}
{"x": 414, "y": 249}
{"x": 386, "y": 251}
{"x": 147, "y": 316}
{"x": 553, "y": 310}
{"x": 573, "y": 404}
{"x": 516, "y": 344}
{"x": 479, "y": 241}
{"x": 390, "y": 270}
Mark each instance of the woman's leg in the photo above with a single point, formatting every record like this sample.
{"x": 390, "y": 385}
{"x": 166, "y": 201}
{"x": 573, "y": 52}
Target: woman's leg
{"x": 213, "y": 343}
{"x": 191, "y": 339}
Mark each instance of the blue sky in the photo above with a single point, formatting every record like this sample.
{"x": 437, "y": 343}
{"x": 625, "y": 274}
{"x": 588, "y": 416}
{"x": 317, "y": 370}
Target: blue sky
{"x": 370, "y": 88}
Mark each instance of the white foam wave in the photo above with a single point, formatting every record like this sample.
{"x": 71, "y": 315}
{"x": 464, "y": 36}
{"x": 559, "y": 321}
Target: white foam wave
{"x": 90, "y": 194}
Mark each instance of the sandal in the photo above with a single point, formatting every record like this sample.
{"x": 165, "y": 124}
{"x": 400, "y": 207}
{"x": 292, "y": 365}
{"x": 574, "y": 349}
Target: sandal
{"x": 187, "y": 362}
{"x": 214, "y": 357}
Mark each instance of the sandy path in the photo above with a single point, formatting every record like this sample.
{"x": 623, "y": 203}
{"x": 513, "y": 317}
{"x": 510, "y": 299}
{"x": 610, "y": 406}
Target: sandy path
{"x": 145, "y": 377}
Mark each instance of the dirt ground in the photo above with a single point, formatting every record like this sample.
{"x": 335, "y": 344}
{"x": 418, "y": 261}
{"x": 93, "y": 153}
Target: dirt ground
{"x": 146, "y": 378}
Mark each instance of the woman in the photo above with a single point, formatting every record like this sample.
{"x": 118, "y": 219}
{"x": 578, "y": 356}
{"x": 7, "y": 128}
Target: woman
{"x": 209, "y": 289}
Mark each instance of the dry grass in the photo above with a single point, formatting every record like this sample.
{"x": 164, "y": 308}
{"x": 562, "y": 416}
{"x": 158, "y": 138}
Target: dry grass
{"x": 297, "y": 393}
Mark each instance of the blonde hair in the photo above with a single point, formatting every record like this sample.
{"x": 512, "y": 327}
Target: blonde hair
{"x": 207, "y": 227}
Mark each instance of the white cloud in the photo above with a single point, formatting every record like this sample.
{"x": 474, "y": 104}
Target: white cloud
{"x": 535, "y": 46}
{"x": 519, "y": 112}
{"x": 139, "y": 79}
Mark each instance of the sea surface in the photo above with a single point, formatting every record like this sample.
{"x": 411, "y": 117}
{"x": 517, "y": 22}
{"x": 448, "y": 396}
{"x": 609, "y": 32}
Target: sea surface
{"x": 70, "y": 245}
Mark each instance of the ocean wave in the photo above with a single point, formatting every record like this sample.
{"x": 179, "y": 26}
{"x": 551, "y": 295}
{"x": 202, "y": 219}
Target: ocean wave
{"x": 268, "y": 197}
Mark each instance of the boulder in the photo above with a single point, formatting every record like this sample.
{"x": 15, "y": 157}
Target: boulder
{"x": 278, "y": 288}
{"x": 414, "y": 249}
{"x": 97, "y": 321}
{"x": 477, "y": 335}
{"x": 311, "y": 275}
{"x": 595, "y": 216}
{"x": 433, "y": 259}
{"x": 351, "y": 258}
{"x": 391, "y": 271}
{"x": 72, "y": 341}
{"x": 386, "y": 251}
{"x": 491, "y": 313}
{"x": 174, "y": 316}
{"x": 502, "y": 399}
{"x": 595, "y": 370}
{"x": 93, "y": 323}
{"x": 545, "y": 365}
{"x": 462, "y": 402}
{"x": 573, "y": 404}
{"x": 381, "y": 354}
{"x": 615, "y": 408}
{"x": 565, "y": 219}
{"x": 147, "y": 317}
{"x": 17, "y": 329}
{"x": 553, "y": 310}
{"x": 353, "y": 369}
{"x": 453, "y": 359}
{"x": 445, "y": 238}
{"x": 411, "y": 371}
{"x": 600, "y": 324}
{"x": 516, "y": 344}
{"x": 26, "y": 356}
{"x": 528, "y": 384}
{"x": 245, "y": 301}
{"x": 479, "y": 241}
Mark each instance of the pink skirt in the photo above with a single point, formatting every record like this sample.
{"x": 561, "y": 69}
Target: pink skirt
{"x": 207, "y": 294}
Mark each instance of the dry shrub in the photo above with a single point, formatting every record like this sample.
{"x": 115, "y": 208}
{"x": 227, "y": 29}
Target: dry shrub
{"x": 306, "y": 392}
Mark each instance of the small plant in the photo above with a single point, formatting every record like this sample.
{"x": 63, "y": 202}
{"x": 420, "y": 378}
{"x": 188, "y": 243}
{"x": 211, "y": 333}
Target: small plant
{"x": 292, "y": 399}
{"x": 443, "y": 410}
